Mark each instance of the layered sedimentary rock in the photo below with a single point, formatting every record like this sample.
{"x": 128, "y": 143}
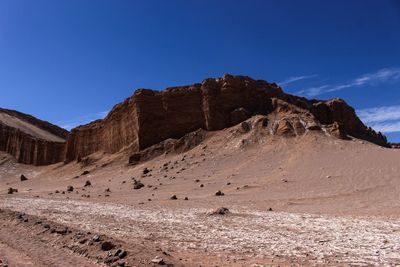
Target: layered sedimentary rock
{"x": 30, "y": 140}
{"x": 149, "y": 117}
{"x": 119, "y": 129}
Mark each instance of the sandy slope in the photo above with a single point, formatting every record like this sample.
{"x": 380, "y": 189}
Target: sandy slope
{"x": 28, "y": 128}
{"x": 334, "y": 202}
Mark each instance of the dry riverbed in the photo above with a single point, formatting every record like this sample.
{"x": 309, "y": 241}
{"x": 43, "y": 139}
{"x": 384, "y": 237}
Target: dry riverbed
{"x": 243, "y": 237}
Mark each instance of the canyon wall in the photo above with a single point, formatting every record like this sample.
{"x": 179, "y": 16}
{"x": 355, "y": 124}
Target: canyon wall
{"x": 117, "y": 130}
{"x": 149, "y": 117}
{"x": 29, "y": 140}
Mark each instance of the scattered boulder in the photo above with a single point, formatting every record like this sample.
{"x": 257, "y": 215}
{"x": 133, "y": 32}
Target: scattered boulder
{"x": 220, "y": 211}
{"x": 137, "y": 185}
{"x": 12, "y": 190}
{"x": 174, "y": 197}
{"x": 96, "y": 238}
{"x": 60, "y": 231}
{"x": 106, "y": 246}
{"x": 186, "y": 198}
{"x": 219, "y": 193}
{"x": 23, "y": 178}
{"x": 70, "y": 188}
{"x": 88, "y": 183}
{"x": 120, "y": 253}
{"x": 158, "y": 260}
{"x": 146, "y": 170}
{"x": 85, "y": 173}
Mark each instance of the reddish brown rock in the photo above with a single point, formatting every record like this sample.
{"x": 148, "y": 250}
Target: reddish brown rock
{"x": 30, "y": 140}
{"x": 155, "y": 117}
{"x": 149, "y": 117}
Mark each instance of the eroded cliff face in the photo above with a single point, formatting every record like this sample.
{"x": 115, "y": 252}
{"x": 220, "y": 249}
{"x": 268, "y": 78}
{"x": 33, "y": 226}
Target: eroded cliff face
{"x": 149, "y": 117}
{"x": 29, "y": 140}
{"x": 118, "y": 130}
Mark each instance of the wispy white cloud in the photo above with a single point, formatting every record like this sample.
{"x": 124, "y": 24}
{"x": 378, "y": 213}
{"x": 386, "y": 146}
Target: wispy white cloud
{"x": 379, "y": 114}
{"x": 384, "y": 119}
{"x": 370, "y": 79}
{"x": 295, "y": 79}
{"x": 387, "y": 127}
{"x": 81, "y": 120}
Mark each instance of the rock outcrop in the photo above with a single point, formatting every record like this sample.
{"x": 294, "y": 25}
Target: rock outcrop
{"x": 150, "y": 117}
{"x": 30, "y": 140}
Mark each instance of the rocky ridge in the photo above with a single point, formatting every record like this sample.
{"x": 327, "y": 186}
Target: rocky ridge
{"x": 149, "y": 117}
{"x": 30, "y": 140}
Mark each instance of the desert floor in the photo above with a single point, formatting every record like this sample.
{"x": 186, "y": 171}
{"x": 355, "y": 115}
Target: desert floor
{"x": 307, "y": 201}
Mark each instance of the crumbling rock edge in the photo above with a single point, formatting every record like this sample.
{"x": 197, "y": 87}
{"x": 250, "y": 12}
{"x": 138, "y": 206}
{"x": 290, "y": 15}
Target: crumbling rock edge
{"x": 149, "y": 117}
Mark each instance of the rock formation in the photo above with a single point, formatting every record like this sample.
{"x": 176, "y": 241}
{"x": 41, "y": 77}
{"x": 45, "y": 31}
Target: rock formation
{"x": 150, "y": 117}
{"x": 29, "y": 140}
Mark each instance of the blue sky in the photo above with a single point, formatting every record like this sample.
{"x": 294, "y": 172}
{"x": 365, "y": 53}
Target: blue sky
{"x": 70, "y": 61}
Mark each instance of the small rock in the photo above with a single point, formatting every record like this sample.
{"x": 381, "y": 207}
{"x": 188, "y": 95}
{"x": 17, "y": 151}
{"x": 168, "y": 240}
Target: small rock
{"x": 202, "y": 185}
{"x": 220, "y": 211}
{"x": 88, "y": 183}
{"x": 122, "y": 254}
{"x": 106, "y": 246}
{"x": 158, "y": 260}
{"x": 96, "y": 238}
{"x": 186, "y": 198}
{"x": 12, "y": 190}
{"x": 219, "y": 193}
{"x": 146, "y": 171}
{"x": 174, "y": 197}
{"x": 70, "y": 188}
{"x": 23, "y": 178}
{"x": 85, "y": 173}
{"x": 107, "y": 190}
{"x": 138, "y": 185}
{"x": 61, "y": 231}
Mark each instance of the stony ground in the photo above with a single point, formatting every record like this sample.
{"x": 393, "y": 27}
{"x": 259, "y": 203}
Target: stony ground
{"x": 333, "y": 203}
{"x": 242, "y": 234}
